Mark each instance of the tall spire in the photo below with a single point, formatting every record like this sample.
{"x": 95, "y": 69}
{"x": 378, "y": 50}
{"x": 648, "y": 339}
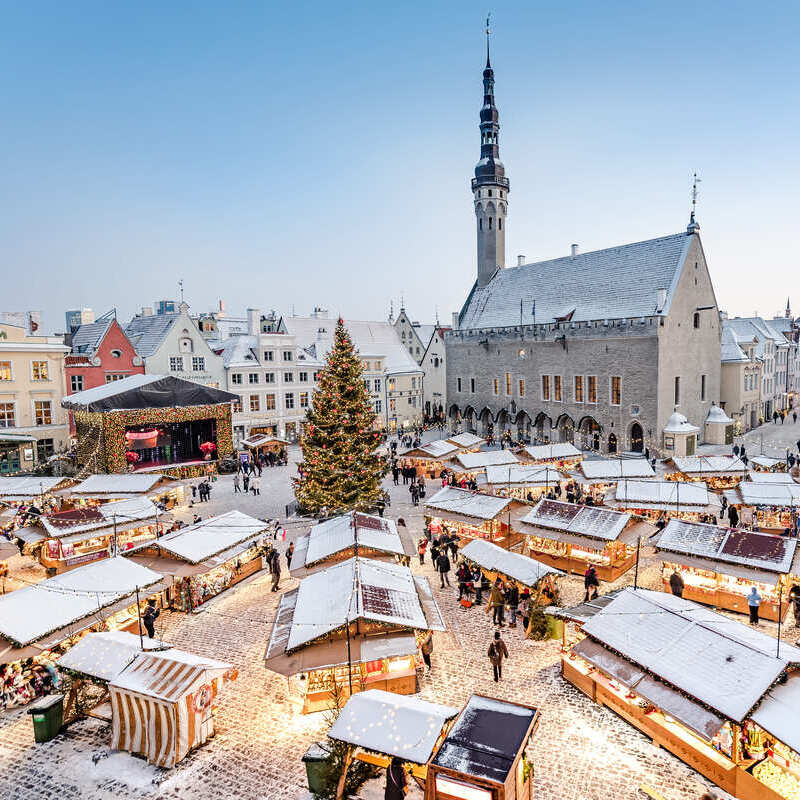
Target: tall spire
{"x": 488, "y": 31}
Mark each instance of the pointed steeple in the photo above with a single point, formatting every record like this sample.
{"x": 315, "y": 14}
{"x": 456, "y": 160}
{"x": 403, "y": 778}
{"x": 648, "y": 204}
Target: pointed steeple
{"x": 788, "y": 309}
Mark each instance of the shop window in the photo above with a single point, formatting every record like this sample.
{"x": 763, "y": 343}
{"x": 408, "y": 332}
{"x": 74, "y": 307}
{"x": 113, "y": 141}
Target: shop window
{"x": 39, "y": 371}
{"x": 43, "y": 412}
{"x": 616, "y": 390}
{"x": 45, "y": 448}
{"x": 6, "y": 374}
{"x": 270, "y": 402}
{"x": 255, "y": 402}
{"x": 290, "y": 400}
{"x": 76, "y": 383}
{"x": 7, "y": 415}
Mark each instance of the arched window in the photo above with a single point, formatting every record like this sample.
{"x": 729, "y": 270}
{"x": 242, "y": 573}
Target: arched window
{"x": 612, "y": 443}
{"x": 696, "y": 319}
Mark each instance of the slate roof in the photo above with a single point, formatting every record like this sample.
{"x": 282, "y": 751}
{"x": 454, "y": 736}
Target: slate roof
{"x": 452, "y": 500}
{"x": 147, "y": 333}
{"x": 87, "y": 338}
{"x": 603, "y": 284}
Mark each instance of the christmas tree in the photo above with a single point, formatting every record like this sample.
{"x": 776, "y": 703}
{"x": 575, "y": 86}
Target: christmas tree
{"x": 340, "y": 470}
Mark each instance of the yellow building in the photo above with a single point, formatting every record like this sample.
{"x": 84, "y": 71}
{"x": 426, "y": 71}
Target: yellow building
{"x": 32, "y": 385}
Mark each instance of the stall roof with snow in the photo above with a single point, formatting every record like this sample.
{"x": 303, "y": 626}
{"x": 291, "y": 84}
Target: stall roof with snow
{"x": 718, "y": 466}
{"x": 779, "y": 712}
{"x": 124, "y": 514}
{"x": 560, "y": 451}
{"x": 130, "y": 485}
{"x": 726, "y": 666}
{"x": 551, "y": 518}
{"x": 487, "y": 458}
{"x": 770, "y": 494}
{"x": 663, "y": 496}
{"x": 493, "y": 558}
{"x": 29, "y": 488}
{"x": 486, "y": 738}
{"x": 466, "y": 440}
{"x": 767, "y": 462}
{"x": 437, "y": 450}
{"x": 452, "y": 502}
{"x": 522, "y": 475}
{"x": 604, "y": 470}
{"x": 33, "y": 612}
{"x": 392, "y": 724}
{"x": 721, "y": 547}
{"x": 770, "y": 477}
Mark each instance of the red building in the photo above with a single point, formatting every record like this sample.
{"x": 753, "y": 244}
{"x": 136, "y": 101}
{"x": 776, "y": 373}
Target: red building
{"x": 101, "y": 353}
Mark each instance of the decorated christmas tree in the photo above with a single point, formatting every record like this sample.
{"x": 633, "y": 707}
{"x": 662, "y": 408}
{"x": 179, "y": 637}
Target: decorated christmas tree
{"x": 340, "y": 469}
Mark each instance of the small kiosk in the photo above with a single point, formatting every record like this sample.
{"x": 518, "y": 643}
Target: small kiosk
{"x": 767, "y": 464}
{"x": 428, "y": 459}
{"x": 652, "y": 500}
{"x": 468, "y": 442}
{"x": 680, "y": 436}
{"x": 719, "y": 472}
{"x": 713, "y": 692}
{"x": 474, "y": 465}
{"x": 472, "y": 515}
{"x": 482, "y": 756}
{"x": 562, "y": 455}
{"x": 599, "y": 475}
{"x": 770, "y": 507}
{"x": 570, "y": 537}
{"x": 262, "y": 444}
{"x": 523, "y": 482}
{"x": 719, "y": 566}
{"x": 362, "y": 636}
{"x": 97, "y": 489}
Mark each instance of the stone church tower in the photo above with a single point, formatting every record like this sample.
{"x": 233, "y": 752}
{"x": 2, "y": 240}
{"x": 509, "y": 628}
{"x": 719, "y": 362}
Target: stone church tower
{"x": 490, "y": 186}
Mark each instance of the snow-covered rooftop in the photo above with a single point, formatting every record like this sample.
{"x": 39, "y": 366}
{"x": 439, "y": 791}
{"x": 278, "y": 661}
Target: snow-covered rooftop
{"x": 710, "y": 465}
{"x": 28, "y": 488}
{"x": 32, "y": 612}
{"x": 451, "y": 499}
{"x": 104, "y": 655}
{"x": 615, "y": 468}
{"x": 495, "y": 559}
{"x": 669, "y": 492}
{"x": 553, "y": 452}
{"x": 466, "y": 440}
{"x": 591, "y": 521}
{"x": 779, "y": 712}
{"x": 211, "y": 536}
{"x": 393, "y": 724}
{"x": 126, "y": 513}
{"x": 714, "y": 659}
{"x": 133, "y": 483}
{"x": 341, "y": 533}
{"x": 440, "y": 448}
{"x": 770, "y": 494}
{"x": 522, "y": 475}
{"x": 481, "y": 460}
{"x": 678, "y": 423}
{"x": 770, "y": 477}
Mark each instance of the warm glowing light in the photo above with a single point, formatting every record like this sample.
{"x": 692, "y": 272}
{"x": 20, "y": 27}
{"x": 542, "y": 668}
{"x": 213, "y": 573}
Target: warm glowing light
{"x": 461, "y": 790}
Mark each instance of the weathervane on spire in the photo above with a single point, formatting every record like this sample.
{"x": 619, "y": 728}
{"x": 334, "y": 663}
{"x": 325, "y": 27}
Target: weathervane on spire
{"x": 180, "y": 284}
{"x": 488, "y": 32}
{"x": 693, "y": 226}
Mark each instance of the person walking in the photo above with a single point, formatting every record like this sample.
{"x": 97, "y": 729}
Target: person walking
{"x": 443, "y": 567}
{"x": 395, "y": 473}
{"x": 676, "y": 584}
{"x": 246, "y": 482}
{"x": 275, "y": 569}
{"x": 255, "y": 485}
{"x": 512, "y": 600}
{"x": 591, "y": 583}
{"x": 497, "y": 603}
{"x": 525, "y": 609}
{"x": 426, "y": 648}
{"x": 194, "y": 487}
{"x": 753, "y": 602}
{"x": 733, "y": 516}
{"x": 237, "y": 486}
{"x": 422, "y": 546}
{"x": 497, "y": 652}
{"x": 396, "y": 781}
{"x": 477, "y": 582}
{"x": 289, "y": 555}
{"x": 149, "y": 618}
{"x": 463, "y": 576}
{"x": 414, "y": 494}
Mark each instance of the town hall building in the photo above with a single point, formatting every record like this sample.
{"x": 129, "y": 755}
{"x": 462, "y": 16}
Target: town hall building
{"x": 604, "y": 349}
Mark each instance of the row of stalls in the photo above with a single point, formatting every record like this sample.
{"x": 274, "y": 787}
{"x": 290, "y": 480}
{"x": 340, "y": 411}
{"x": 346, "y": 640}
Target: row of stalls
{"x": 431, "y": 458}
{"x": 478, "y": 753}
{"x": 718, "y": 472}
{"x": 721, "y": 696}
{"x": 524, "y": 482}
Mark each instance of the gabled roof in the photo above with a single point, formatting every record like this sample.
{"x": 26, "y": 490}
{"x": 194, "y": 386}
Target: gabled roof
{"x": 240, "y": 351}
{"x": 118, "y": 485}
{"x": 589, "y": 521}
{"x": 88, "y": 338}
{"x": 615, "y": 468}
{"x": 493, "y": 558}
{"x": 604, "y": 284}
{"x": 486, "y": 458}
{"x": 731, "y": 351}
{"x": 132, "y": 512}
{"x": 341, "y": 533}
{"x": 550, "y": 452}
{"x": 147, "y": 333}
{"x": 452, "y": 500}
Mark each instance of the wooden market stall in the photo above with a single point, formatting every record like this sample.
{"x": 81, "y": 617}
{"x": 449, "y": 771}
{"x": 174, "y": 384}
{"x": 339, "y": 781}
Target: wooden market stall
{"x": 653, "y": 500}
{"x": 361, "y": 636}
{"x": 471, "y": 466}
{"x": 91, "y": 533}
{"x": 40, "y": 622}
{"x": 161, "y": 489}
{"x": 767, "y": 464}
{"x": 719, "y": 472}
{"x": 258, "y": 444}
{"x": 205, "y": 559}
{"x": 468, "y": 442}
{"x": 352, "y": 534}
{"x": 429, "y": 459}
{"x": 720, "y": 565}
{"x": 598, "y": 475}
{"x": 718, "y": 701}
{"x": 562, "y": 455}
{"x": 571, "y": 536}
{"x": 480, "y": 756}
{"x": 523, "y": 482}
{"x": 20, "y": 493}
{"x": 473, "y": 515}
{"x": 495, "y": 562}
{"x": 767, "y": 506}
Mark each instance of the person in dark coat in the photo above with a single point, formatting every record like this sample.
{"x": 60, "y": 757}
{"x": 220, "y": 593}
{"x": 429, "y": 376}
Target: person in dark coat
{"x": 396, "y": 781}
{"x": 246, "y": 482}
{"x": 443, "y": 567}
{"x": 591, "y": 583}
{"x": 289, "y": 554}
{"x": 497, "y": 652}
{"x": 149, "y": 618}
{"x": 512, "y": 601}
{"x": 676, "y": 584}
{"x": 733, "y": 516}
{"x": 275, "y": 569}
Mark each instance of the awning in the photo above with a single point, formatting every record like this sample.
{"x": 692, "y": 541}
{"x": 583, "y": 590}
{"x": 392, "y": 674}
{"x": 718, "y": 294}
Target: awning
{"x": 610, "y": 663}
{"x": 430, "y": 608}
{"x": 779, "y": 712}
{"x": 8, "y": 550}
{"x": 30, "y": 535}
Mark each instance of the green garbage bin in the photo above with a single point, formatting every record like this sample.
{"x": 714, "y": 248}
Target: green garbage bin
{"x": 48, "y": 717}
{"x": 555, "y": 627}
{"x": 316, "y": 761}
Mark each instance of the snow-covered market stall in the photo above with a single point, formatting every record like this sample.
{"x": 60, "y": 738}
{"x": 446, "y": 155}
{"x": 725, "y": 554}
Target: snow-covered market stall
{"x": 717, "y": 694}
{"x": 561, "y": 455}
{"x": 40, "y": 622}
{"x": 480, "y": 756}
{"x": 719, "y": 472}
{"x": 767, "y": 464}
{"x": 570, "y": 537}
{"x": 598, "y": 475}
{"x": 352, "y": 534}
{"x": 361, "y": 637}
{"x": 206, "y": 558}
{"x": 160, "y": 489}
{"x": 428, "y": 459}
{"x": 19, "y": 493}
{"x": 468, "y": 442}
{"x": 473, "y": 466}
{"x": 653, "y": 500}
{"x": 472, "y": 515}
{"x": 719, "y": 566}
{"x": 525, "y": 482}
{"x": 71, "y": 538}
{"x": 766, "y": 506}
{"x": 162, "y": 700}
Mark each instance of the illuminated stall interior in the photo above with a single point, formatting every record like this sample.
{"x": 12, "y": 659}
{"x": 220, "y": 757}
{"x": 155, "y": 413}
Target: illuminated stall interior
{"x": 598, "y": 475}
{"x": 472, "y": 515}
{"x": 428, "y": 459}
{"x": 719, "y": 472}
{"x": 570, "y": 537}
{"x": 719, "y": 566}
{"x": 474, "y": 465}
{"x": 362, "y": 636}
{"x": 772, "y": 506}
{"x": 98, "y": 489}
{"x": 767, "y": 464}
{"x": 653, "y": 500}
{"x": 20, "y": 492}
{"x": 718, "y": 701}
{"x": 562, "y": 455}
{"x": 524, "y": 482}
{"x": 206, "y": 558}
{"x": 352, "y": 534}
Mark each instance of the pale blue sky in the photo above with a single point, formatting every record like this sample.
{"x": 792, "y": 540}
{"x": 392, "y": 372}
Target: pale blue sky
{"x": 320, "y": 154}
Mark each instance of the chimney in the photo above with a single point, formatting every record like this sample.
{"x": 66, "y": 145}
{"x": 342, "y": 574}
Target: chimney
{"x": 520, "y": 260}
{"x": 573, "y": 250}
{"x": 455, "y": 320}
{"x": 221, "y": 307}
{"x": 253, "y": 320}
{"x": 661, "y": 299}
{"x": 147, "y": 311}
